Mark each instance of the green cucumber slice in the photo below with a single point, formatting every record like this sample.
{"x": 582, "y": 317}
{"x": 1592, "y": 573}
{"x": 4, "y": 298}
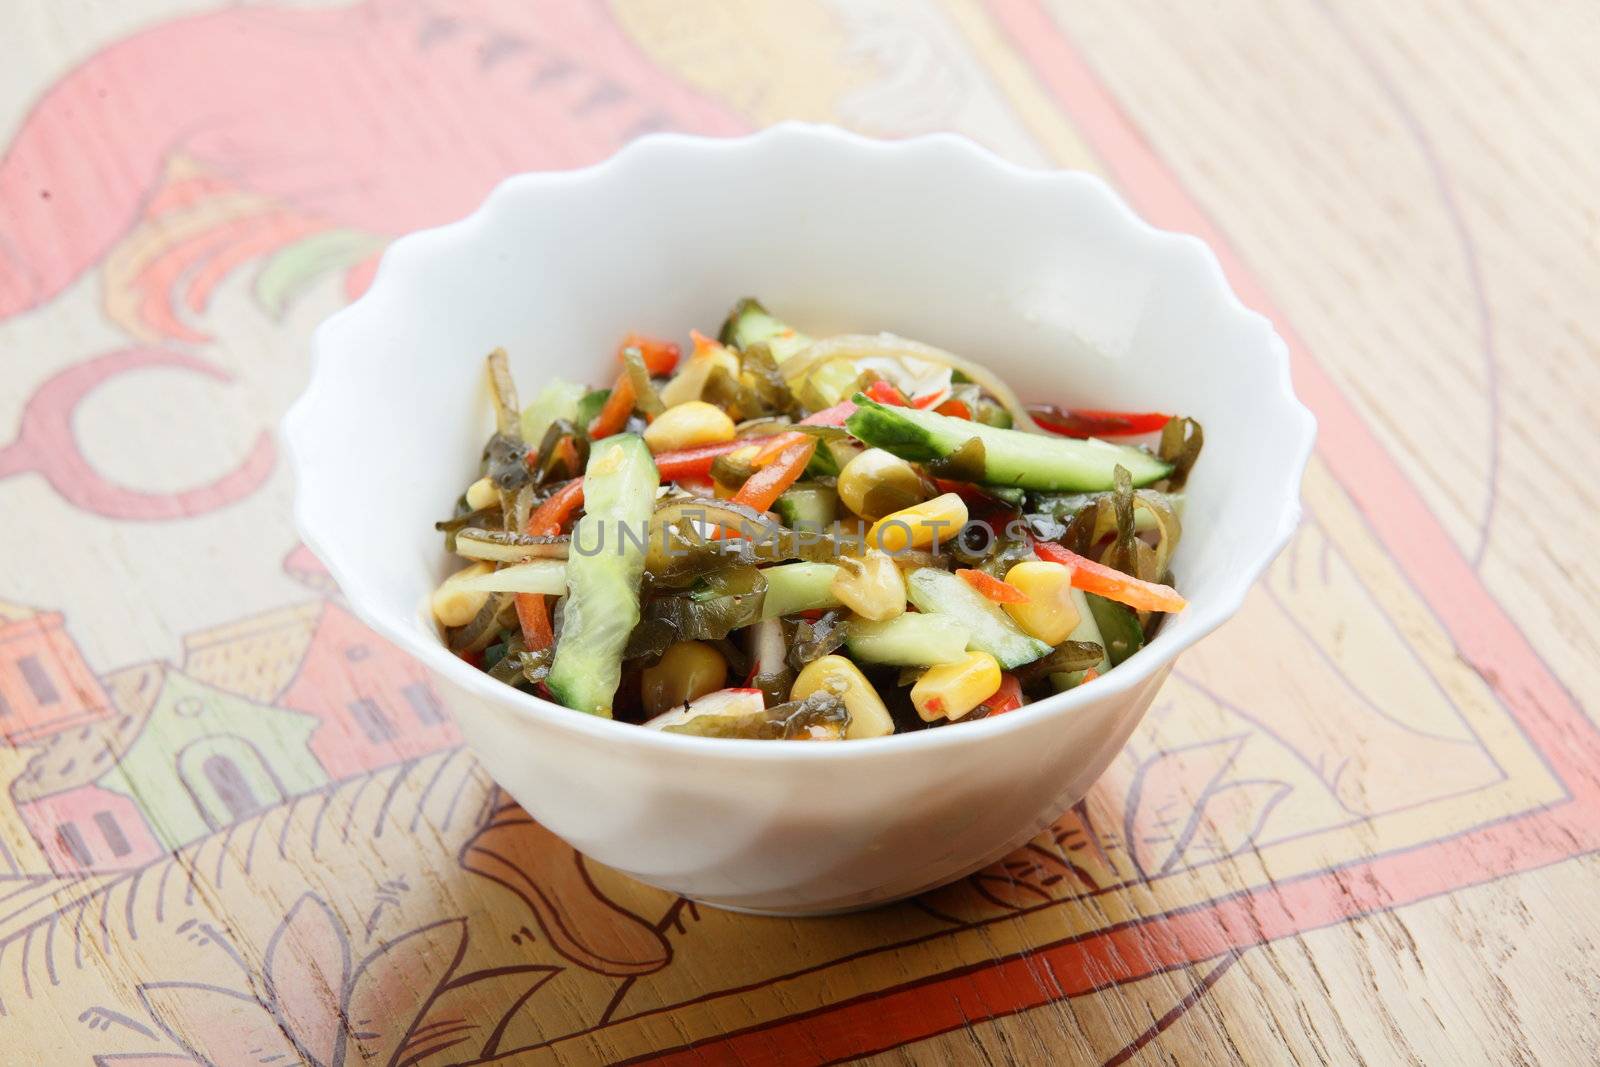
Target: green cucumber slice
{"x": 749, "y": 323}
{"x": 938, "y": 592}
{"x": 1119, "y": 626}
{"x": 808, "y": 506}
{"x": 915, "y": 639}
{"x": 793, "y": 587}
{"x": 603, "y": 574}
{"x": 557, "y": 400}
{"x": 1010, "y": 457}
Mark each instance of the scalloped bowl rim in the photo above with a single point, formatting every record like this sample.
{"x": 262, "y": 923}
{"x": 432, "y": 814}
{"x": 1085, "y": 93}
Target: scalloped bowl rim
{"x": 1160, "y": 653}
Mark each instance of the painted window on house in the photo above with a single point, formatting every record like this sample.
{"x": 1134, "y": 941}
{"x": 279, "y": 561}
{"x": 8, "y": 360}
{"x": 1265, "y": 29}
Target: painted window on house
{"x": 228, "y": 779}
{"x": 372, "y": 720}
{"x": 38, "y": 679}
{"x": 231, "y": 787}
{"x": 424, "y": 704}
{"x": 73, "y": 844}
{"x": 116, "y": 840}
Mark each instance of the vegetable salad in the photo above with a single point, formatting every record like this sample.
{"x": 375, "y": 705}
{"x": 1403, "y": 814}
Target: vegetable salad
{"x": 795, "y": 538}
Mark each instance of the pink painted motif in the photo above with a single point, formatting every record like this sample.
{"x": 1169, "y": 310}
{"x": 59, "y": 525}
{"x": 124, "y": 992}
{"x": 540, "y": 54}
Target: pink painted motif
{"x": 90, "y": 829}
{"x": 387, "y": 116}
{"x": 375, "y": 702}
{"x": 47, "y": 445}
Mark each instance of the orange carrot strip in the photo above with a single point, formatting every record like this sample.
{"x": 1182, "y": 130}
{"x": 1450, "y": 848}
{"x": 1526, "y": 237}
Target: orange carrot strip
{"x": 766, "y": 485}
{"x": 614, "y": 413}
{"x": 775, "y": 445}
{"x": 992, "y": 587}
{"x": 535, "y": 621}
{"x": 546, "y": 520}
{"x": 1094, "y": 577}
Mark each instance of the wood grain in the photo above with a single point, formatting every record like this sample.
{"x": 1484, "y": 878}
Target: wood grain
{"x": 1357, "y": 827}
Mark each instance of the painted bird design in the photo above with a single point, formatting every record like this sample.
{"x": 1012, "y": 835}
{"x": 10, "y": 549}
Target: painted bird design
{"x": 384, "y": 116}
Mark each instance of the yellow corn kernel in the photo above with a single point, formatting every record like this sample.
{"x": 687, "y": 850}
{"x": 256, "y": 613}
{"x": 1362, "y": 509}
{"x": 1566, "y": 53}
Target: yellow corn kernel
{"x": 878, "y": 483}
{"x": 1050, "y": 613}
{"x": 871, "y": 586}
{"x": 455, "y": 606}
{"x": 951, "y": 690}
{"x": 690, "y": 380}
{"x": 688, "y": 425}
{"x": 687, "y": 671}
{"x": 837, "y": 675}
{"x": 482, "y": 493}
{"x": 920, "y": 525}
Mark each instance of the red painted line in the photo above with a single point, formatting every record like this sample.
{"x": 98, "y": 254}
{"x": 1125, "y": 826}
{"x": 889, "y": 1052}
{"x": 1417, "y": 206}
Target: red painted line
{"x": 1485, "y": 636}
{"x": 1148, "y": 946}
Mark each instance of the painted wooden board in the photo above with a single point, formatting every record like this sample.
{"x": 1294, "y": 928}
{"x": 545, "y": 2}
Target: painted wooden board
{"x": 237, "y": 827}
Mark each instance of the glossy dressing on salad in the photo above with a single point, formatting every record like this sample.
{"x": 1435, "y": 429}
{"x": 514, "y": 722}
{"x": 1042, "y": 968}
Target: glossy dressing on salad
{"x": 793, "y": 538}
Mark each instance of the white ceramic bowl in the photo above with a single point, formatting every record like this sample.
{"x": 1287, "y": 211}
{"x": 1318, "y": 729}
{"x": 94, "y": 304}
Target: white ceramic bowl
{"x": 1048, "y": 278}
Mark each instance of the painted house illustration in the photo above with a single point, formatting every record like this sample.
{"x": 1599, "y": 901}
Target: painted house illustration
{"x": 183, "y": 759}
{"x": 77, "y": 825}
{"x": 45, "y": 685}
{"x": 110, "y": 773}
{"x": 374, "y": 705}
{"x": 20, "y": 854}
{"x": 206, "y": 757}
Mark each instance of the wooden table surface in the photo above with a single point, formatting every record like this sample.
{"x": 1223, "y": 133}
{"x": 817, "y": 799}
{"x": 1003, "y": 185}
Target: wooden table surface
{"x": 1358, "y": 825}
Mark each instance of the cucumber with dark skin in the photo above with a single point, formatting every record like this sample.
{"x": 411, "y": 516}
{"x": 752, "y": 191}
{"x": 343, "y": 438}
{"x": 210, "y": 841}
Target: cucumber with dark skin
{"x": 603, "y": 574}
{"x": 1002, "y": 457}
{"x": 749, "y": 324}
{"x": 1120, "y": 631}
{"x": 808, "y": 506}
{"x": 589, "y": 406}
{"x": 941, "y": 593}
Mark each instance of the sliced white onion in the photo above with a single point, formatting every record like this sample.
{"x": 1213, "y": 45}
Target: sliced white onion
{"x": 546, "y": 576}
{"x": 497, "y": 546}
{"x": 722, "y": 702}
{"x": 859, "y": 347}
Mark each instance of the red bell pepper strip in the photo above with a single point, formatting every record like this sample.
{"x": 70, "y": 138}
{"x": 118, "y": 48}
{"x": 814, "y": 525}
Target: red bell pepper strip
{"x": 690, "y": 463}
{"x": 1085, "y": 422}
{"x": 1088, "y": 676}
{"x": 660, "y": 357}
{"x": 546, "y": 520}
{"x": 1112, "y": 584}
{"x": 991, "y": 587}
{"x": 927, "y": 400}
{"x": 762, "y": 489}
{"x": 956, "y": 409}
{"x": 886, "y": 393}
{"x": 614, "y": 413}
{"x": 833, "y": 416}
{"x": 1007, "y": 698}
